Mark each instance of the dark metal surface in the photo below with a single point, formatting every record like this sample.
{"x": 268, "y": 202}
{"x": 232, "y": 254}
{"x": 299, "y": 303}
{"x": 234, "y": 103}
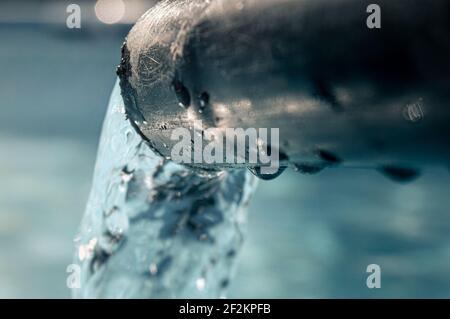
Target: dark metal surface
{"x": 341, "y": 93}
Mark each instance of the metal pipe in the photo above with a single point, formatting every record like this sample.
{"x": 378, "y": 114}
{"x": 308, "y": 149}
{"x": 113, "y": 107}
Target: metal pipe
{"x": 340, "y": 92}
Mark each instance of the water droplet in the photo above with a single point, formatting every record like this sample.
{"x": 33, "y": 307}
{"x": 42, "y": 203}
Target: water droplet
{"x": 266, "y": 177}
{"x": 153, "y": 269}
{"x": 82, "y": 253}
{"x": 203, "y": 99}
{"x": 92, "y": 243}
{"x": 308, "y": 168}
{"x": 86, "y": 251}
{"x": 329, "y": 157}
{"x": 126, "y": 175}
{"x": 400, "y": 174}
{"x": 200, "y": 284}
{"x": 183, "y": 96}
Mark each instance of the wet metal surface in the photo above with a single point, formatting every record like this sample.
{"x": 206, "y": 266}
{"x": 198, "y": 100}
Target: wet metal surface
{"x": 367, "y": 97}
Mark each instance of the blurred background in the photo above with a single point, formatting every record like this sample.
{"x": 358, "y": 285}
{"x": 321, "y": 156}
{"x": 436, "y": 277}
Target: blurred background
{"x": 309, "y": 236}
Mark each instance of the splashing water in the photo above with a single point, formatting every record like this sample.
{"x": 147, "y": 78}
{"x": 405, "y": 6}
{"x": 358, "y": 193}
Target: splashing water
{"x": 156, "y": 229}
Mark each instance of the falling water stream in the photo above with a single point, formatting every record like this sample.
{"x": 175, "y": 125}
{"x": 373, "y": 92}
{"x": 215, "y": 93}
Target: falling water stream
{"x": 156, "y": 229}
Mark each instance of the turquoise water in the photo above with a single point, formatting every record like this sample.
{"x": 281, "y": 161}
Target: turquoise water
{"x": 309, "y": 236}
